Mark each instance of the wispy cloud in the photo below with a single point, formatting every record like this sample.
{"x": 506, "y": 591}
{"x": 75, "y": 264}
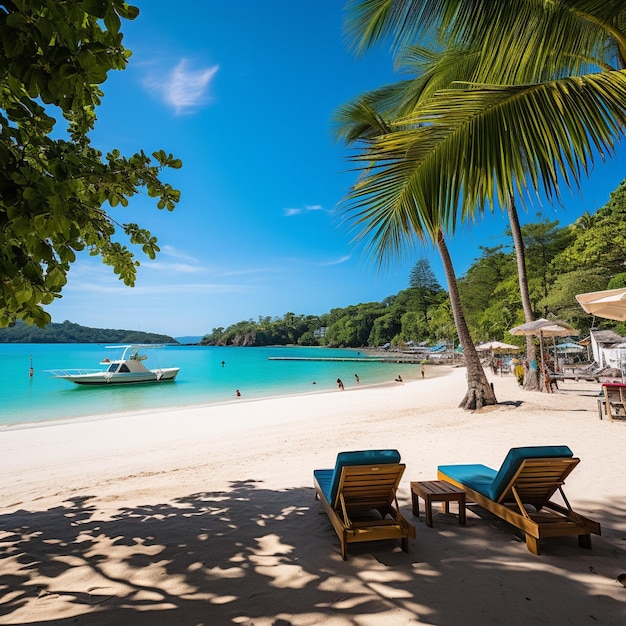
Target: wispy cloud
{"x": 178, "y": 268}
{"x": 339, "y": 261}
{"x": 164, "y": 289}
{"x": 289, "y": 212}
{"x": 316, "y": 263}
{"x": 183, "y": 88}
{"x": 91, "y": 276}
{"x": 175, "y": 253}
{"x": 183, "y": 263}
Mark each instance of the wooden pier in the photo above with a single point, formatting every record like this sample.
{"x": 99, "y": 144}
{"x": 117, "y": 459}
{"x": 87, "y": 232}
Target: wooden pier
{"x": 395, "y": 358}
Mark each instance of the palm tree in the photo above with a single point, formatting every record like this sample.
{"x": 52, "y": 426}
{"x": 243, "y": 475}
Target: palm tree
{"x": 391, "y": 222}
{"x": 365, "y": 117}
{"x": 586, "y": 221}
{"x": 435, "y": 71}
{"x": 531, "y": 380}
{"x": 533, "y": 48}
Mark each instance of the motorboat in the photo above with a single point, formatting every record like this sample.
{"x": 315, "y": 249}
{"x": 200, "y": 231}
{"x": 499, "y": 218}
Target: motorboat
{"x": 128, "y": 369}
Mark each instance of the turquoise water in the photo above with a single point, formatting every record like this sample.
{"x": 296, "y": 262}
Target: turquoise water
{"x": 202, "y": 378}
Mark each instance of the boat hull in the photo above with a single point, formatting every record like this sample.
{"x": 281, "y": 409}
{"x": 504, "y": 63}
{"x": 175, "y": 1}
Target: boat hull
{"x": 123, "y": 378}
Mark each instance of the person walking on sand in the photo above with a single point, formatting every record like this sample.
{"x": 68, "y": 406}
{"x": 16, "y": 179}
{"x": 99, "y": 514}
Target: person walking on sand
{"x": 340, "y": 384}
{"x": 423, "y": 370}
{"x": 356, "y": 377}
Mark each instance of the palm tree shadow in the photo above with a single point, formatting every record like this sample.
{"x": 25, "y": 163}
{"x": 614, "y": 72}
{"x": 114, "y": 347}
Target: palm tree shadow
{"x": 514, "y": 403}
{"x": 247, "y": 555}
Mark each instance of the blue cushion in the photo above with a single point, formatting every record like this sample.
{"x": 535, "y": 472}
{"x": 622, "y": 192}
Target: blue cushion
{"x": 329, "y": 479}
{"x": 490, "y": 483}
{"x": 476, "y": 477}
{"x": 324, "y": 478}
{"x": 516, "y": 456}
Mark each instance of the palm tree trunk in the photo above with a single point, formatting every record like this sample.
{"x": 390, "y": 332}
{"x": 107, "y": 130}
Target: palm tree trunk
{"x": 479, "y": 391}
{"x": 531, "y": 381}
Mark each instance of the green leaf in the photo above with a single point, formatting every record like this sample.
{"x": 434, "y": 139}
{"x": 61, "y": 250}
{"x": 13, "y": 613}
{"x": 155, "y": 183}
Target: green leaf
{"x": 55, "y": 278}
{"x": 98, "y": 8}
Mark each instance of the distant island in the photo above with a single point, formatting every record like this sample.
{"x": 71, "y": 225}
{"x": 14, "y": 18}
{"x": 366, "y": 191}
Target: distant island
{"x": 189, "y": 339}
{"x": 68, "y": 332}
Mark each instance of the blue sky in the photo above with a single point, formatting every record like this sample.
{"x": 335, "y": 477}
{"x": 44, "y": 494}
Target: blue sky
{"x": 244, "y": 92}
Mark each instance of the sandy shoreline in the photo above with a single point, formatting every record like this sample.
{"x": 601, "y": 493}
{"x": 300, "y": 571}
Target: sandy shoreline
{"x": 206, "y": 515}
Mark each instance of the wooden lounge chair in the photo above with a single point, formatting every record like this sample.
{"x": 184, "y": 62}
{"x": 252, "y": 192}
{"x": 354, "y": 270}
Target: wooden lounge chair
{"x": 614, "y": 400}
{"x": 521, "y": 491}
{"x": 359, "y": 497}
{"x": 552, "y": 378}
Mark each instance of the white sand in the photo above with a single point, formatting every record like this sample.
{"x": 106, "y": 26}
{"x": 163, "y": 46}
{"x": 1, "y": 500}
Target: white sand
{"x": 207, "y": 515}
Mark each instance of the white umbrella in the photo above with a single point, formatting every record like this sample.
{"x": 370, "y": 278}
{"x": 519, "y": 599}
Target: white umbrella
{"x": 498, "y": 347}
{"x": 544, "y": 328}
{"x": 609, "y": 304}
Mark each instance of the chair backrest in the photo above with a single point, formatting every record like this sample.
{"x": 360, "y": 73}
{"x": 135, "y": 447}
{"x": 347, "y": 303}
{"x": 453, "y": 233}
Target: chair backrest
{"x": 360, "y": 457}
{"x": 369, "y": 487}
{"x": 615, "y": 392}
{"x": 537, "y": 479}
{"x": 513, "y": 461}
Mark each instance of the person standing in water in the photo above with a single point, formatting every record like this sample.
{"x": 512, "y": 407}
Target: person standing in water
{"x": 356, "y": 377}
{"x": 340, "y": 384}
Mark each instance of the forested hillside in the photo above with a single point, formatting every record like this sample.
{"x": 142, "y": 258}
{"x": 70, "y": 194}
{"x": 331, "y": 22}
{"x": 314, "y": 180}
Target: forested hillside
{"x": 67, "y": 332}
{"x": 587, "y": 255}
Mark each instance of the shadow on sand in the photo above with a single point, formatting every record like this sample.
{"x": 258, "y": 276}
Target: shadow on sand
{"x": 249, "y": 555}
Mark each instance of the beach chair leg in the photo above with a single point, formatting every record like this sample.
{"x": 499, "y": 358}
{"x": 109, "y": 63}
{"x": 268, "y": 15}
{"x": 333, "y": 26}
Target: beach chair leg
{"x": 344, "y": 550}
{"x": 532, "y": 543}
{"x": 584, "y": 541}
{"x": 404, "y": 542}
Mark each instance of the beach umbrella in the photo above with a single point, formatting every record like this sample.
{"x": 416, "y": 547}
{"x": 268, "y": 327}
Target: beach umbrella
{"x": 498, "y": 347}
{"x": 609, "y": 304}
{"x": 544, "y": 328}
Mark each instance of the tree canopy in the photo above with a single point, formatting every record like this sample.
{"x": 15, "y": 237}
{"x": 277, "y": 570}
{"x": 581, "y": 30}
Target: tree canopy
{"x": 69, "y": 332}
{"x": 54, "y": 186}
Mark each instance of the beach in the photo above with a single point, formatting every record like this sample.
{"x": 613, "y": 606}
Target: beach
{"x": 207, "y": 515}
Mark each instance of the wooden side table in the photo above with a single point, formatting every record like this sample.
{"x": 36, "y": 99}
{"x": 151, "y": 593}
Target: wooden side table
{"x": 437, "y": 491}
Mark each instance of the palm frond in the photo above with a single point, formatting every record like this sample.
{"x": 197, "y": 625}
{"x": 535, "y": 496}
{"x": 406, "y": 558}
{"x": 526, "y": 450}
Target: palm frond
{"x": 402, "y": 21}
{"x": 548, "y": 39}
{"x": 423, "y": 175}
{"x": 358, "y": 120}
